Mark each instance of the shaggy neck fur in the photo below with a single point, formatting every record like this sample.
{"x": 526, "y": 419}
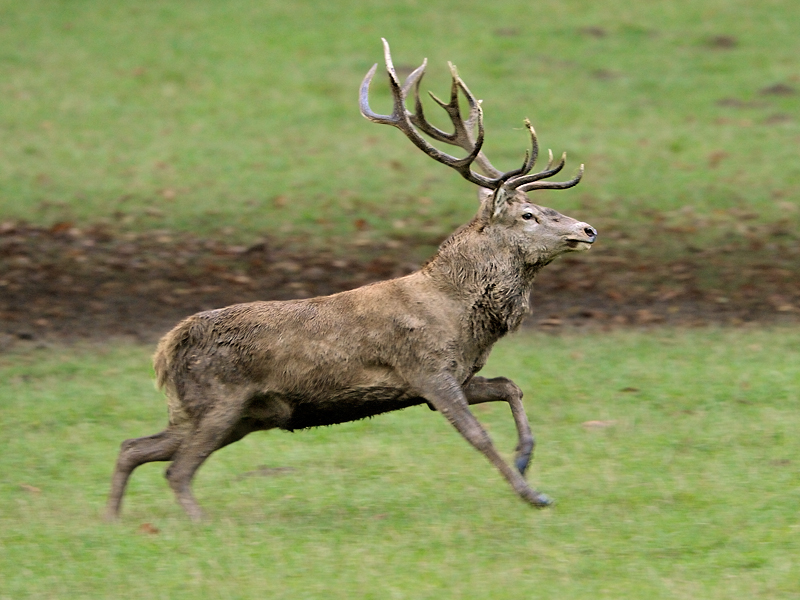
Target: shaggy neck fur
{"x": 491, "y": 279}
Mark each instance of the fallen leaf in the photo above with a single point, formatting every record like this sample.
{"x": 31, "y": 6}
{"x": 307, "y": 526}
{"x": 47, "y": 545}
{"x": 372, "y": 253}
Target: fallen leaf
{"x": 716, "y": 157}
{"x": 777, "y": 119}
{"x": 779, "y": 89}
{"x": 506, "y": 32}
{"x": 598, "y": 424}
{"x": 604, "y": 74}
{"x": 737, "y": 103}
{"x": 596, "y": 32}
{"x": 551, "y": 322}
{"x": 722, "y": 42}
{"x": 148, "y": 528}
{"x": 61, "y": 227}
{"x": 265, "y": 471}
{"x": 234, "y": 278}
{"x": 646, "y": 317}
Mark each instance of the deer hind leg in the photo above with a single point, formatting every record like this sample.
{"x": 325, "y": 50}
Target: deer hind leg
{"x": 501, "y": 389}
{"x": 135, "y": 452}
{"x": 219, "y": 427}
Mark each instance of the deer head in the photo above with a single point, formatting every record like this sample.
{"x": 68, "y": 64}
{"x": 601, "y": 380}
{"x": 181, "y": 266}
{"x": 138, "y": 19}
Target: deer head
{"x": 538, "y": 233}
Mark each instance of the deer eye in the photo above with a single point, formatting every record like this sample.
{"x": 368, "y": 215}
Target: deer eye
{"x": 528, "y": 216}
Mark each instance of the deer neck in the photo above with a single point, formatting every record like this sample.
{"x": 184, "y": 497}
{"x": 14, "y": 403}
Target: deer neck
{"x": 489, "y": 282}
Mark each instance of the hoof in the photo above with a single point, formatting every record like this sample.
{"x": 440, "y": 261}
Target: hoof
{"x": 522, "y": 463}
{"x": 111, "y": 517}
{"x": 197, "y": 517}
{"x": 541, "y": 501}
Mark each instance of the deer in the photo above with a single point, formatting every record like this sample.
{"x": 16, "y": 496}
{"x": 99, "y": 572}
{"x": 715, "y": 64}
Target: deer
{"x": 419, "y": 339}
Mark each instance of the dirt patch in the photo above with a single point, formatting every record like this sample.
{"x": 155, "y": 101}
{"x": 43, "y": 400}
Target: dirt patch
{"x": 66, "y": 283}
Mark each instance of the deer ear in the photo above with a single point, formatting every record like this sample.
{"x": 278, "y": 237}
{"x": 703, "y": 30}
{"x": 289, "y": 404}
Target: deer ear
{"x": 484, "y": 194}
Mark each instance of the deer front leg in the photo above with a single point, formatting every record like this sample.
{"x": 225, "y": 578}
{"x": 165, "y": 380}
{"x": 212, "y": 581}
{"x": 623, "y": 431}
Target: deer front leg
{"x": 448, "y": 398}
{"x": 501, "y": 389}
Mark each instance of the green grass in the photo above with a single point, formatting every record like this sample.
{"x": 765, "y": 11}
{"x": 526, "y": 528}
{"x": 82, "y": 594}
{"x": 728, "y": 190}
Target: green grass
{"x": 241, "y": 117}
{"x": 692, "y": 492}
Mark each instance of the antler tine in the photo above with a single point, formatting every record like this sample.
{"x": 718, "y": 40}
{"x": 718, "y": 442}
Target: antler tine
{"x": 415, "y": 77}
{"x": 457, "y": 138}
{"x": 550, "y": 160}
{"x": 553, "y": 185}
{"x": 400, "y": 118}
{"x": 530, "y": 157}
{"x": 463, "y": 131}
{"x": 517, "y": 182}
{"x": 464, "y": 135}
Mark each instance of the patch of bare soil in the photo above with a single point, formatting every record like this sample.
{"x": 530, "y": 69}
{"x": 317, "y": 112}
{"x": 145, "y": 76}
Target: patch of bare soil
{"x": 64, "y": 283}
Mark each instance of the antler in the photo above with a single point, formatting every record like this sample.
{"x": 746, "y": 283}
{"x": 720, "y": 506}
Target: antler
{"x": 463, "y": 131}
{"x": 463, "y": 134}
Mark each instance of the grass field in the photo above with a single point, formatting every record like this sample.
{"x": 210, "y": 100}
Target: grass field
{"x": 672, "y": 454}
{"x": 241, "y": 117}
{"x": 690, "y": 490}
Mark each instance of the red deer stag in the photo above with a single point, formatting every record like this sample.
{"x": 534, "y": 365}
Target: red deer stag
{"x": 418, "y": 339}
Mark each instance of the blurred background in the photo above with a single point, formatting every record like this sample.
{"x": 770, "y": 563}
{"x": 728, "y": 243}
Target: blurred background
{"x": 161, "y": 157}
{"x": 163, "y": 154}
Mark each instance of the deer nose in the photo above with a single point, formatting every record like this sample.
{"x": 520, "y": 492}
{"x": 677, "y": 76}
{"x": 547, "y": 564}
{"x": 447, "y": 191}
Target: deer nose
{"x": 590, "y": 231}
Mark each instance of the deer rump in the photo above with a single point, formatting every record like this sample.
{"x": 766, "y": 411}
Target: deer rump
{"x": 289, "y": 365}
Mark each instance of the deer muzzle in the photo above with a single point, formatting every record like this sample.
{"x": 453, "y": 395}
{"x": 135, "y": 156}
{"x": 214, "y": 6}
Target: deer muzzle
{"x": 583, "y": 237}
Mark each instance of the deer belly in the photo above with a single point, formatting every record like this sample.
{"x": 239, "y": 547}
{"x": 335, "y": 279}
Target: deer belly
{"x": 347, "y": 405}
